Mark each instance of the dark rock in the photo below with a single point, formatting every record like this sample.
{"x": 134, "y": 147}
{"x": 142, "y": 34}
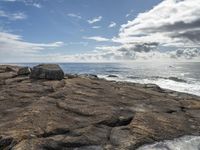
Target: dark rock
{"x": 112, "y": 76}
{"x": 24, "y": 71}
{"x": 152, "y": 86}
{"x": 177, "y": 79}
{"x": 47, "y": 71}
{"x": 133, "y": 77}
{"x": 11, "y": 69}
{"x": 71, "y": 76}
{"x": 91, "y": 76}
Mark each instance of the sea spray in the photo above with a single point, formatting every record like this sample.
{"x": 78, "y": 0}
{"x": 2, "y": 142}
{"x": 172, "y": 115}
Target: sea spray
{"x": 183, "y": 143}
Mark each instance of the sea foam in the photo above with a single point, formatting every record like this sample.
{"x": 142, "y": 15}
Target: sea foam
{"x": 183, "y": 143}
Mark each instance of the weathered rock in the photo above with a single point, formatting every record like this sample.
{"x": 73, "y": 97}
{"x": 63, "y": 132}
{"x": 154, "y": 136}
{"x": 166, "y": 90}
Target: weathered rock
{"x": 12, "y": 68}
{"x": 14, "y": 80}
{"x": 7, "y": 75}
{"x": 47, "y": 71}
{"x": 85, "y": 113}
{"x": 24, "y": 71}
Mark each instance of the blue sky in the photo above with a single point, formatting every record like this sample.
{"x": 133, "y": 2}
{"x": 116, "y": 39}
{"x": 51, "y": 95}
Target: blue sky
{"x": 73, "y": 29}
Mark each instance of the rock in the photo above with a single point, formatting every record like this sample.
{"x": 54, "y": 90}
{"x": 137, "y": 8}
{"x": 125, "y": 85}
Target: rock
{"x": 151, "y": 86}
{"x": 14, "y": 80}
{"x": 71, "y": 76}
{"x": 119, "y": 135}
{"x": 47, "y": 71}
{"x": 91, "y": 76}
{"x": 85, "y": 113}
{"x": 177, "y": 79}
{"x": 112, "y": 76}
{"x": 133, "y": 77}
{"x": 12, "y": 69}
{"x": 24, "y": 71}
{"x": 7, "y": 75}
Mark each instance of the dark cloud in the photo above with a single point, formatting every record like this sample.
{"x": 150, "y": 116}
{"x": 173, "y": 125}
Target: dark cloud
{"x": 140, "y": 47}
{"x": 193, "y": 36}
{"x": 187, "y": 53}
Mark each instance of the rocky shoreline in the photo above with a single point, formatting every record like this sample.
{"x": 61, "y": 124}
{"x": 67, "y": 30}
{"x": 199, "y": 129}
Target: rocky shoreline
{"x": 85, "y": 112}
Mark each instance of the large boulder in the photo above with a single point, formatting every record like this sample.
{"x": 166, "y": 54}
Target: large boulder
{"x": 24, "y": 71}
{"x": 47, "y": 71}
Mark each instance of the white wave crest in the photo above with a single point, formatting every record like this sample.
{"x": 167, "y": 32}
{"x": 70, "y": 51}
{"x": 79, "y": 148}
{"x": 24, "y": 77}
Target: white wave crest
{"x": 183, "y": 143}
{"x": 191, "y": 88}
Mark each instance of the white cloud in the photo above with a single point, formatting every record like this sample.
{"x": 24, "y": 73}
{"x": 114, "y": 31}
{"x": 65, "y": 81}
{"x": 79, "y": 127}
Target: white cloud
{"x": 26, "y": 2}
{"x": 97, "y": 38}
{"x": 127, "y": 15}
{"x": 96, "y": 27}
{"x": 94, "y": 20}
{"x": 8, "y": 0}
{"x": 78, "y": 43}
{"x": 74, "y": 16}
{"x": 170, "y": 22}
{"x": 112, "y": 24}
{"x": 11, "y": 43}
{"x": 13, "y": 16}
{"x": 37, "y": 5}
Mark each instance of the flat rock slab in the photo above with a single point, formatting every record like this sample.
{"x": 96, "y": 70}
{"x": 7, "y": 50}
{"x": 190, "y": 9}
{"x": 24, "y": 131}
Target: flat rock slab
{"x": 91, "y": 114}
{"x": 47, "y": 71}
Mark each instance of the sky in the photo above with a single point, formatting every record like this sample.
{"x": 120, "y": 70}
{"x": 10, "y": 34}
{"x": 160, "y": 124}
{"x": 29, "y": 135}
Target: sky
{"x": 99, "y": 30}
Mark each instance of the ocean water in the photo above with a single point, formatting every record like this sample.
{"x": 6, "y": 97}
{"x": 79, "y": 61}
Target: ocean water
{"x": 182, "y": 77}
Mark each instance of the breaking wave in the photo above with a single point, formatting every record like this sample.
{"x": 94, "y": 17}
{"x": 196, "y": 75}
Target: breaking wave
{"x": 172, "y": 83}
{"x": 183, "y": 143}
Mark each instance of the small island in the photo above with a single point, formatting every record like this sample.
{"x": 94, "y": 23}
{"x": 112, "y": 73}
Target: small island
{"x": 43, "y": 109}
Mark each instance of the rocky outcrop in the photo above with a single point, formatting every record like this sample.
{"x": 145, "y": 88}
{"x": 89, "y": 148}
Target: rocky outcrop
{"x": 24, "y": 71}
{"x": 85, "y": 113}
{"x": 47, "y": 71}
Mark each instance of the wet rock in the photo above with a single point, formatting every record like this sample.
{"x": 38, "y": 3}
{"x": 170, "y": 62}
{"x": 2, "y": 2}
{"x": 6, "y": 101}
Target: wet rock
{"x": 47, "y": 71}
{"x": 112, "y": 76}
{"x": 71, "y": 76}
{"x": 133, "y": 77}
{"x": 177, "y": 79}
{"x": 91, "y": 76}
{"x": 24, "y": 71}
{"x": 151, "y": 86}
{"x": 154, "y": 87}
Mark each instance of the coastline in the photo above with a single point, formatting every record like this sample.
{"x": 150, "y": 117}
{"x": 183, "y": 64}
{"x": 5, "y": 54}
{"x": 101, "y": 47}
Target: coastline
{"x": 178, "y": 77}
{"x": 84, "y": 111}
{"x": 172, "y": 80}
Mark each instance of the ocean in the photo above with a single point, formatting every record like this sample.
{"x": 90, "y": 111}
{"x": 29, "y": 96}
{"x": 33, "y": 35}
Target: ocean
{"x": 182, "y": 77}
